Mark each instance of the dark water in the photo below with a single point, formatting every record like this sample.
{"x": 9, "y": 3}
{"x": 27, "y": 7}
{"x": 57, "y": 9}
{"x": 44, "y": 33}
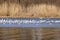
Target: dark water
{"x": 29, "y": 33}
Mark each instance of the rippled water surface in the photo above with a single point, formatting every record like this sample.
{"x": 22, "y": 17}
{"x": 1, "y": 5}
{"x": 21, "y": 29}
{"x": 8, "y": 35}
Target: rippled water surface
{"x": 29, "y": 33}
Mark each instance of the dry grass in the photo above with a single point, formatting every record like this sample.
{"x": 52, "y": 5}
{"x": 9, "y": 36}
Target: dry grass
{"x": 43, "y": 10}
{"x": 3, "y": 8}
{"x": 30, "y": 8}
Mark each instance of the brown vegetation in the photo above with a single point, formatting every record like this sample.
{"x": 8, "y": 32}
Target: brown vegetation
{"x": 3, "y": 8}
{"x": 30, "y": 8}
